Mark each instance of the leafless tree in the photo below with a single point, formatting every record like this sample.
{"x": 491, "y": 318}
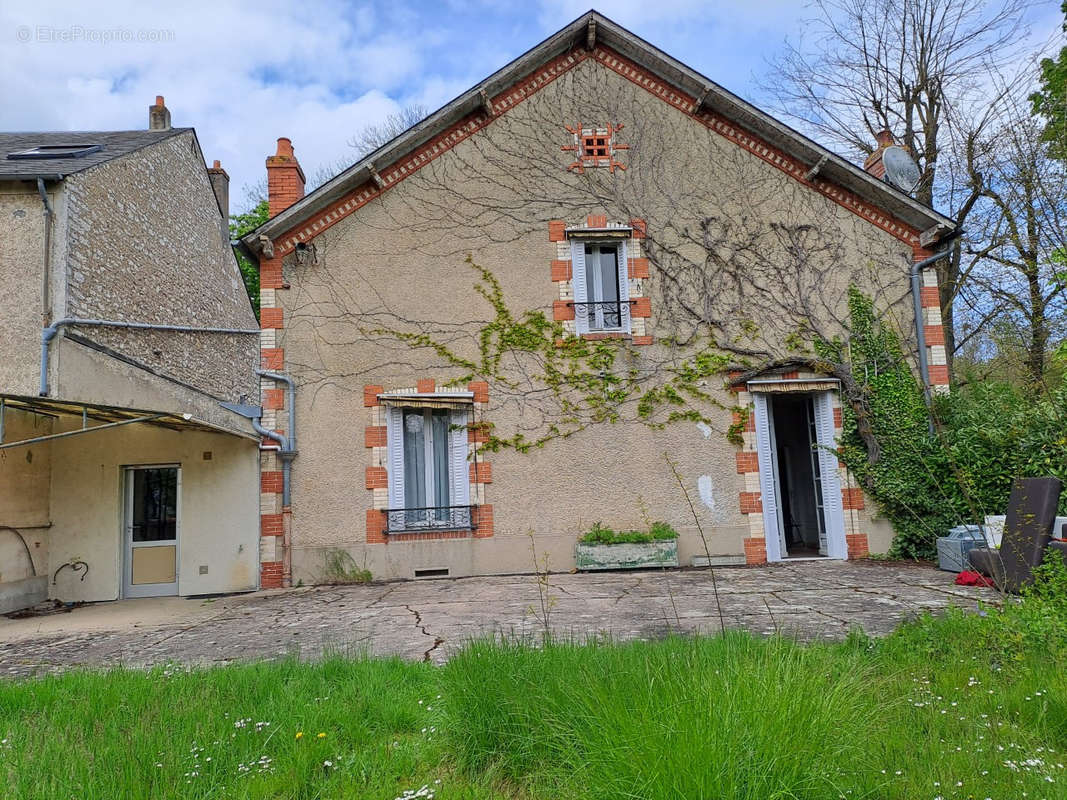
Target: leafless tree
{"x": 921, "y": 69}
{"x": 371, "y": 137}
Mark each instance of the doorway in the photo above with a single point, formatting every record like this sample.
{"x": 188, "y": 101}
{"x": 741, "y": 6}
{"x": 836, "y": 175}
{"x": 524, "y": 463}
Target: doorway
{"x": 799, "y": 486}
{"x": 150, "y": 531}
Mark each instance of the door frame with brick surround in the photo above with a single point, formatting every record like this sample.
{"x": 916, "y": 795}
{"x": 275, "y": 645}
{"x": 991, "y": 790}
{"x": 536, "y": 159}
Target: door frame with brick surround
{"x": 836, "y": 542}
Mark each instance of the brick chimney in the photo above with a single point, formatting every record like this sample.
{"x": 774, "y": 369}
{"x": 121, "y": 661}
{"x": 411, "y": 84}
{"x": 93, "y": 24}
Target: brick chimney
{"x": 220, "y": 184}
{"x": 158, "y": 116}
{"x": 285, "y": 179}
{"x": 874, "y": 164}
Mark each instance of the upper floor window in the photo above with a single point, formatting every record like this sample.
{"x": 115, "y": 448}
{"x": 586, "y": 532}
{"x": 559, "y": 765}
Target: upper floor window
{"x": 601, "y": 287}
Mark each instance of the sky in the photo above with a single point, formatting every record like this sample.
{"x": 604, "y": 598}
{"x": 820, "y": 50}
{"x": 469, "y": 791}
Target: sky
{"x": 244, "y": 73}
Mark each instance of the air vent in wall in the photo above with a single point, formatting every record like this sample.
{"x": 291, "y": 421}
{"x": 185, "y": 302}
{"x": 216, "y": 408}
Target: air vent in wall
{"x": 435, "y": 572}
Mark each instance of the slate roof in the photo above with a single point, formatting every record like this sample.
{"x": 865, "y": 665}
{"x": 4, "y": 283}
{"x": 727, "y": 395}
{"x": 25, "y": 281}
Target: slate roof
{"x": 113, "y": 145}
{"x": 829, "y": 165}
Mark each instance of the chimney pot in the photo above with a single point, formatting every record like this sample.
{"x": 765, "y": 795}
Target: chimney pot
{"x": 874, "y": 164}
{"x": 158, "y": 116}
{"x": 285, "y": 178}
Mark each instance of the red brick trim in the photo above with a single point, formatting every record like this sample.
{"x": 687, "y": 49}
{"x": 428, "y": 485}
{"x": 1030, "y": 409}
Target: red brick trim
{"x": 270, "y": 273}
{"x": 429, "y": 536}
{"x": 540, "y": 78}
{"x": 857, "y": 545}
{"x": 375, "y": 436}
{"x": 600, "y": 337}
{"x": 562, "y": 310}
{"x": 561, "y": 271}
{"x": 852, "y": 499}
{"x": 791, "y": 375}
{"x": 750, "y": 420}
{"x": 377, "y": 478}
{"x": 271, "y": 525}
{"x": 747, "y": 461}
{"x": 751, "y": 503}
{"x": 641, "y": 340}
{"x": 270, "y": 574}
{"x": 370, "y": 396}
{"x": 755, "y": 551}
{"x": 557, "y": 230}
{"x": 477, "y": 434}
{"x": 425, "y": 385}
{"x": 640, "y": 228}
{"x": 270, "y": 318}
{"x": 934, "y": 334}
{"x": 641, "y": 307}
{"x": 596, "y": 221}
{"x": 375, "y": 526}
{"x": 938, "y": 374}
{"x": 271, "y": 482}
{"x": 482, "y": 517}
{"x": 480, "y": 390}
{"x": 837, "y": 417}
{"x": 638, "y": 267}
{"x": 274, "y": 399}
{"x": 481, "y": 472}
{"x": 929, "y": 297}
{"x": 272, "y": 358}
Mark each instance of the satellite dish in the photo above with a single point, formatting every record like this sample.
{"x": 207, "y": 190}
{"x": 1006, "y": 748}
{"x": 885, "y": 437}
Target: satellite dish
{"x": 900, "y": 169}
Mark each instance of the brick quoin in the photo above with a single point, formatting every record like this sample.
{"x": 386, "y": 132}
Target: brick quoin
{"x": 482, "y": 516}
{"x": 596, "y": 221}
{"x": 370, "y": 395}
{"x": 270, "y": 574}
{"x": 747, "y": 461}
{"x": 938, "y": 374}
{"x": 857, "y": 545}
{"x": 790, "y": 376}
{"x": 837, "y": 417}
{"x": 640, "y": 228}
{"x": 375, "y": 436}
{"x": 270, "y": 273}
{"x": 562, "y": 310}
{"x": 852, "y": 499}
{"x": 270, "y": 318}
{"x": 755, "y": 551}
{"x": 482, "y": 472}
{"x": 638, "y": 267}
{"x": 641, "y": 340}
{"x": 274, "y": 399}
{"x": 557, "y": 230}
{"x": 477, "y": 434}
{"x": 929, "y": 297}
{"x": 934, "y": 334}
{"x": 480, "y": 390}
{"x": 425, "y": 385}
{"x": 751, "y": 503}
{"x": 561, "y": 271}
{"x": 271, "y": 525}
{"x": 642, "y": 307}
{"x": 272, "y": 358}
{"x": 375, "y": 526}
{"x": 750, "y": 421}
{"x": 377, "y": 478}
{"x": 270, "y": 482}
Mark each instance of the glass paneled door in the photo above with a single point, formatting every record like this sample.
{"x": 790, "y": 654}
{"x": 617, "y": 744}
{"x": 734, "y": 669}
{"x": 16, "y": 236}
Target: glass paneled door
{"x": 151, "y": 531}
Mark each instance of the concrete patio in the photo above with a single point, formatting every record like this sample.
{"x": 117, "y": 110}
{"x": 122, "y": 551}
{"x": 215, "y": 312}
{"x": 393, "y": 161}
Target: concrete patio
{"x": 427, "y": 620}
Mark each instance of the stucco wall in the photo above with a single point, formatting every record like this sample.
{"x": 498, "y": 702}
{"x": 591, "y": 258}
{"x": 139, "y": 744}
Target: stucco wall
{"x": 401, "y": 258}
{"x": 218, "y": 515}
{"x": 24, "y": 478}
{"x": 146, "y": 245}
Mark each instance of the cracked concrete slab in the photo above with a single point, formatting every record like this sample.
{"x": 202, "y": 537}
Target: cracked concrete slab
{"x": 430, "y": 620}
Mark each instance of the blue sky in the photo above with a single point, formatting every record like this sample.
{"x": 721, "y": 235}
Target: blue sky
{"x": 245, "y": 73}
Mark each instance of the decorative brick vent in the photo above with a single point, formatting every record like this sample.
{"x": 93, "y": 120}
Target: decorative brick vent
{"x": 594, "y": 147}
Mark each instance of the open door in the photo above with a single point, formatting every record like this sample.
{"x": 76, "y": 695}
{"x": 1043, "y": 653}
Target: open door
{"x": 151, "y": 529}
{"x": 770, "y": 491}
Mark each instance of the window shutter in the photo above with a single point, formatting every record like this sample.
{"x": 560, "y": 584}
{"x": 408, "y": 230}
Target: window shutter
{"x": 394, "y": 430}
{"x": 624, "y": 288}
{"x": 459, "y": 483}
{"x": 836, "y": 545}
{"x": 772, "y": 535}
{"x": 581, "y": 312}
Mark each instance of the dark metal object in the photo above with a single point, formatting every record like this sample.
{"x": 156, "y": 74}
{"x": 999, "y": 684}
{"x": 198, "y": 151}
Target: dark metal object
{"x": 29, "y": 555}
{"x": 429, "y": 518}
{"x": 74, "y": 568}
{"x": 612, "y": 310}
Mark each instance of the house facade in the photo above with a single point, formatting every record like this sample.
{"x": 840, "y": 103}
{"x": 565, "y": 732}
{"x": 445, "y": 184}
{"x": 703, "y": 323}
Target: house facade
{"x": 586, "y": 291}
{"x": 126, "y": 325}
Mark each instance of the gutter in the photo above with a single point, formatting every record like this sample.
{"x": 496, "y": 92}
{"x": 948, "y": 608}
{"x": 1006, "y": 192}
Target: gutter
{"x": 50, "y": 332}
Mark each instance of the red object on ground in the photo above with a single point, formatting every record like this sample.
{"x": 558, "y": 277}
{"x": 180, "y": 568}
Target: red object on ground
{"x": 969, "y": 578}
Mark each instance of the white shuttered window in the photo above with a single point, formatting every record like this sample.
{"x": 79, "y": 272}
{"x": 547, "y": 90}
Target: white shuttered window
{"x": 601, "y": 287}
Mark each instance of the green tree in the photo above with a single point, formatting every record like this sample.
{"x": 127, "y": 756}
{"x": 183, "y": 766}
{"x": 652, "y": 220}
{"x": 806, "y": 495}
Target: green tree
{"x": 1050, "y": 101}
{"x": 241, "y": 224}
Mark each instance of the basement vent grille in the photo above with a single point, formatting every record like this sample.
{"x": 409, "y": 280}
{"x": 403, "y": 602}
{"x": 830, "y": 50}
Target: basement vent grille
{"x": 432, "y": 572}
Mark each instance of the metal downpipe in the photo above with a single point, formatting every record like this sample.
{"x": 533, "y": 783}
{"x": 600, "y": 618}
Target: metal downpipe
{"x": 920, "y": 326}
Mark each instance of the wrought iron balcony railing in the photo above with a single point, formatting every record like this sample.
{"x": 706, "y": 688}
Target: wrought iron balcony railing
{"x": 431, "y": 518}
{"x": 603, "y": 315}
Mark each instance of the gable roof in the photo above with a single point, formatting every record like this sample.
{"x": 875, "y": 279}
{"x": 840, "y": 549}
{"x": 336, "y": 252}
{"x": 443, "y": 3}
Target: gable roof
{"x": 673, "y": 81}
{"x": 113, "y": 144}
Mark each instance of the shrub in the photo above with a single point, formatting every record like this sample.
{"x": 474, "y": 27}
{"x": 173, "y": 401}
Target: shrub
{"x": 601, "y": 534}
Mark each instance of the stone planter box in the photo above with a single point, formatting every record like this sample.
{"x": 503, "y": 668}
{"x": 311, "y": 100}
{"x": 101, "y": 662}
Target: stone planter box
{"x": 663, "y": 553}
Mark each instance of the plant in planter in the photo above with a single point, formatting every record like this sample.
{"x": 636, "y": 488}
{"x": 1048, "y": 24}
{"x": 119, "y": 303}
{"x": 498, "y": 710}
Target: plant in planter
{"x": 603, "y": 548}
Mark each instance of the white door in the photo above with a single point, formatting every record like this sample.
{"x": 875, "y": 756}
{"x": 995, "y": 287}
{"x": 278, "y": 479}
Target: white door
{"x": 150, "y": 531}
{"x": 773, "y": 529}
{"x": 833, "y": 511}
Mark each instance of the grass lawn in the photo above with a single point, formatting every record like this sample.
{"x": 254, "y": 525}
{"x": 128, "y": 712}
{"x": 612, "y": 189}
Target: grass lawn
{"x": 959, "y": 707}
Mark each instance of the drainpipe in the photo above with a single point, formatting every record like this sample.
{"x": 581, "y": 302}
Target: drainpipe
{"x": 46, "y": 279}
{"x": 49, "y": 333}
{"x": 286, "y": 454}
{"x": 916, "y": 296}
